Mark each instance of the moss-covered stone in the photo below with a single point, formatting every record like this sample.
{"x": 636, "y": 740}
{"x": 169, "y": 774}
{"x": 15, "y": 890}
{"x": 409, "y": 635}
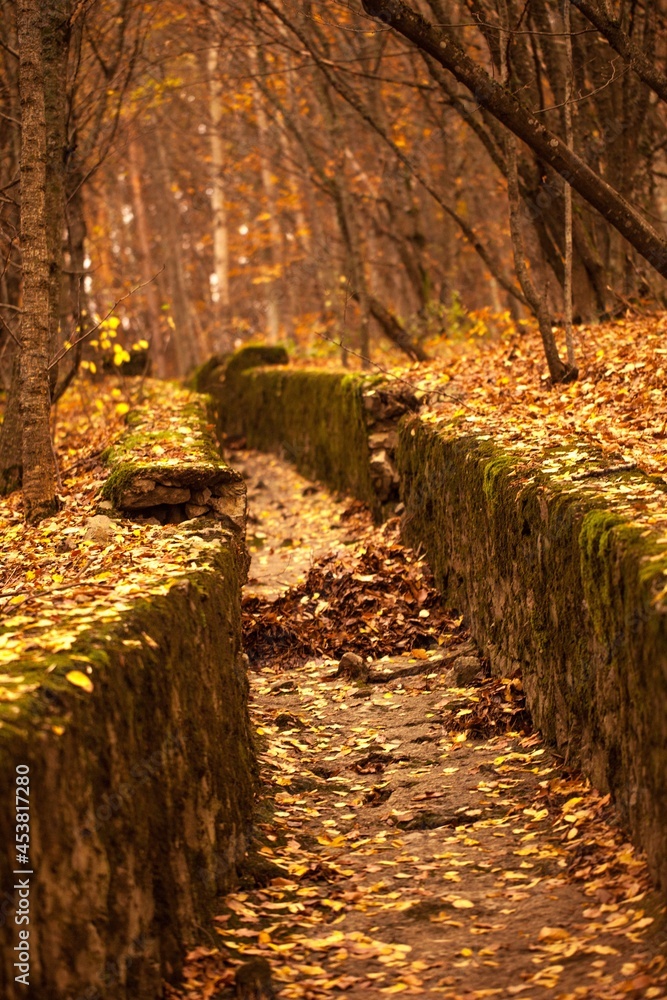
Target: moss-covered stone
{"x": 558, "y": 581}
{"x": 207, "y": 374}
{"x": 211, "y": 375}
{"x": 191, "y": 480}
{"x": 255, "y": 356}
{"x": 141, "y": 777}
{"x": 337, "y": 427}
{"x": 315, "y": 418}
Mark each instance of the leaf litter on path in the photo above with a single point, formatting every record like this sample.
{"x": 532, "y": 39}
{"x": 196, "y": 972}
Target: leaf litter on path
{"x": 412, "y": 836}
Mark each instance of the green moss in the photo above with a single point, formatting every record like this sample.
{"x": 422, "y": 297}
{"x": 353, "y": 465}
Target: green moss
{"x": 254, "y": 356}
{"x": 120, "y": 477}
{"x": 315, "y": 418}
{"x": 596, "y": 540}
{"x": 493, "y": 470}
{"x": 555, "y": 581}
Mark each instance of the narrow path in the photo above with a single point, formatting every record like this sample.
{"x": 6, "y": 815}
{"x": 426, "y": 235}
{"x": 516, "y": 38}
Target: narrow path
{"x": 413, "y": 835}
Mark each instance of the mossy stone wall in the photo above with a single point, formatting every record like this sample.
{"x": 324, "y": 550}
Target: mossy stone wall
{"x": 337, "y": 427}
{"x": 555, "y": 582}
{"x": 315, "y": 418}
{"x": 140, "y": 793}
{"x": 142, "y": 778}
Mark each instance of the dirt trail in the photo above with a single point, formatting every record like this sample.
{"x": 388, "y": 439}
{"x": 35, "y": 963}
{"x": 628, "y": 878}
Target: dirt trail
{"x": 413, "y": 836}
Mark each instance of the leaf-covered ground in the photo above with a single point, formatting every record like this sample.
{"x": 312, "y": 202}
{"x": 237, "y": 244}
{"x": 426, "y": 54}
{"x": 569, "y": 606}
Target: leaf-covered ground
{"x": 497, "y": 384}
{"x": 55, "y": 580}
{"x": 618, "y": 404}
{"x": 413, "y": 836}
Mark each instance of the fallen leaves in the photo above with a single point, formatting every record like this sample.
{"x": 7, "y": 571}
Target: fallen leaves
{"x": 369, "y": 601}
{"x": 56, "y": 583}
{"x": 498, "y": 705}
{"x": 613, "y": 418}
{"x": 404, "y": 860}
{"x": 78, "y": 679}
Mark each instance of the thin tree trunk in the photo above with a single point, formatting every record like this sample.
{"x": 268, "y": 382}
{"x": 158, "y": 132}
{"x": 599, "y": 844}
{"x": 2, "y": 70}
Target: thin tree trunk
{"x": 536, "y": 300}
{"x": 351, "y": 242}
{"x": 11, "y": 434}
{"x": 79, "y": 302}
{"x": 569, "y": 139}
{"x": 54, "y": 61}
{"x": 39, "y": 478}
{"x": 272, "y": 310}
{"x": 149, "y": 291}
{"x": 223, "y": 336}
{"x": 185, "y": 338}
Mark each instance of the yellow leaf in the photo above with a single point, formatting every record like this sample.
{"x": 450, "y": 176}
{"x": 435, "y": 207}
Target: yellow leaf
{"x": 331, "y": 941}
{"x": 462, "y": 904}
{"x": 553, "y": 934}
{"x": 80, "y": 680}
{"x": 122, "y": 409}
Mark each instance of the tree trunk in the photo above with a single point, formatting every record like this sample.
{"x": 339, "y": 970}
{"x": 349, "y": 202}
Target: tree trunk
{"x": 79, "y": 301}
{"x": 537, "y": 299}
{"x": 272, "y": 310}
{"x": 39, "y": 481}
{"x": 11, "y": 435}
{"x": 54, "y": 61}
{"x": 569, "y": 138}
{"x": 184, "y": 334}
{"x": 149, "y": 291}
{"x": 222, "y": 336}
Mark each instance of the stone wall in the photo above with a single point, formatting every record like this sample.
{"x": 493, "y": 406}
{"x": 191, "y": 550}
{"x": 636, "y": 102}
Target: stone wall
{"x": 565, "y": 581}
{"x": 141, "y": 769}
{"x": 336, "y": 427}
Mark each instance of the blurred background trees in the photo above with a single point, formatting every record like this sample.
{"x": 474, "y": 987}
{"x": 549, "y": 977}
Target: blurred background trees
{"x": 303, "y": 171}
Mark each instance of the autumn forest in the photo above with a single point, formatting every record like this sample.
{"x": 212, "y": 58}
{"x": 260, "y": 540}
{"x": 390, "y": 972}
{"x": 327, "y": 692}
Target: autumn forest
{"x": 333, "y": 513}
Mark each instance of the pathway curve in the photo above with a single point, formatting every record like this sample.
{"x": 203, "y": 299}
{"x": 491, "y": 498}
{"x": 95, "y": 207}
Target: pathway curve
{"x": 413, "y": 835}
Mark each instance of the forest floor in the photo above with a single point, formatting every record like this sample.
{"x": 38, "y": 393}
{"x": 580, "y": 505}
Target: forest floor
{"x": 497, "y": 384}
{"x": 413, "y": 834}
